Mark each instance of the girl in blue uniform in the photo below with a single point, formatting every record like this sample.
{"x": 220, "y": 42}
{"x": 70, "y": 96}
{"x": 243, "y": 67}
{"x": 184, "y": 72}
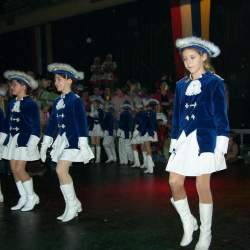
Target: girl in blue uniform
{"x": 109, "y": 132}
{"x": 95, "y": 127}
{"x": 199, "y": 137}
{"x": 136, "y": 140}
{"x": 22, "y": 132}
{"x": 67, "y": 133}
{"x": 149, "y": 132}
{"x": 124, "y": 133}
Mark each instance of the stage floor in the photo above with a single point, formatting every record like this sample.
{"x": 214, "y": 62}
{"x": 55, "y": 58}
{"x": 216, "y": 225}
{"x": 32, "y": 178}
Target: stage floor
{"x": 124, "y": 209}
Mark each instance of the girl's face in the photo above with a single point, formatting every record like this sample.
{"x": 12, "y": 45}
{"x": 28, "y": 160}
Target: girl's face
{"x": 62, "y": 84}
{"x": 193, "y": 61}
{"x": 17, "y": 89}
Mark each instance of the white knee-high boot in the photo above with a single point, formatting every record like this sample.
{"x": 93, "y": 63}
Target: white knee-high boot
{"x": 206, "y": 213}
{"x": 73, "y": 205}
{"x": 78, "y": 204}
{"x": 189, "y": 223}
{"x": 122, "y": 152}
{"x": 23, "y": 196}
{"x": 108, "y": 153}
{"x": 144, "y": 154}
{"x": 112, "y": 148}
{"x": 98, "y": 154}
{"x": 93, "y": 149}
{"x": 129, "y": 151}
{"x": 32, "y": 197}
{"x": 150, "y": 165}
{"x": 136, "y": 159}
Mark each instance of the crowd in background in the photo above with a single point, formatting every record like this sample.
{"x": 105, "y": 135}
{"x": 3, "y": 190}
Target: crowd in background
{"x": 104, "y": 82}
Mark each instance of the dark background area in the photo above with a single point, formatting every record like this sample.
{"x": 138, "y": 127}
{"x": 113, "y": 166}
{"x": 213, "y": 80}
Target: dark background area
{"x": 139, "y": 37}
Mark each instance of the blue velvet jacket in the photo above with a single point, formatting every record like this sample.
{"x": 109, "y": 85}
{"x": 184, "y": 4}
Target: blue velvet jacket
{"x": 149, "y": 124}
{"x": 126, "y": 123}
{"x": 23, "y": 120}
{"x": 68, "y": 116}
{"x": 139, "y": 120}
{"x": 205, "y": 111}
{"x": 108, "y": 123}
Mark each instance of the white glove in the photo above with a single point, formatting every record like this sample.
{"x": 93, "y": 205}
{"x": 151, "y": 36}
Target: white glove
{"x": 173, "y": 145}
{"x": 106, "y": 133}
{"x": 85, "y": 149}
{"x": 2, "y": 138}
{"x": 32, "y": 144}
{"x": 119, "y": 132}
{"x": 136, "y": 133}
{"x": 82, "y": 142}
{"x": 221, "y": 144}
{"x": 46, "y": 143}
{"x": 219, "y": 157}
{"x": 221, "y": 149}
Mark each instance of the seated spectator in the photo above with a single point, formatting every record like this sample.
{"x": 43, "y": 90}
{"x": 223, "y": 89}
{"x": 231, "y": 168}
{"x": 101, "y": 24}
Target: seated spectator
{"x": 117, "y": 100}
{"x": 134, "y": 91}
{"x": 233, "y": 150}
{"x": 109, "y": 68}
{"x": 96, "y": 72}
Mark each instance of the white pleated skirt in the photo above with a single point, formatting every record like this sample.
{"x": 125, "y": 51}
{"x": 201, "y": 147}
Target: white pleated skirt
{"x": 61, "y": 152}
{"x": 97, "y": 131}
{"x": 12, "y": 152}
{"x": 186, "y": 160}
{"x": 148, "y": 138}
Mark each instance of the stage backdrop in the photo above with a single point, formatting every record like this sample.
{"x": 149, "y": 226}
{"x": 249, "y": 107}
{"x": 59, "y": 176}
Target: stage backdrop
{"x": 189, "y": 18}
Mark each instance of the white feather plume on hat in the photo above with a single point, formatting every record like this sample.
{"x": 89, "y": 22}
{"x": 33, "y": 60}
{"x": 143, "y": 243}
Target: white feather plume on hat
{"x": 192, "y": 41}
{"x": 22, "y": 76}
{"x": 54, "y": 67}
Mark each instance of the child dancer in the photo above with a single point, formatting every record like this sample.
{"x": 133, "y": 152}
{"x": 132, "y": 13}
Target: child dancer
{"x": 95, "y": 128}
{"x": 199, "y": 137}
{"x": 149, "y": 132}
{"x": 136, "y": 140}
{"x": 124, "y": 133}
{"x": 22, "y": 127}
{"x": 68, "y": 125}
{"x": 108, "y": 140}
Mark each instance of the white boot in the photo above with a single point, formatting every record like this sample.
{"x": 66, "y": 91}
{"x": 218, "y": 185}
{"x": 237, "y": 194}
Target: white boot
{"x": 78, "y": 204}
{"x": 206, "y": 212}
{"x": 73, "y": 204}
{"x": 189, "y": 223}
{"x": 93, "y": 150}
{"x": 23, "y": 196}
{"x": 113, "y": 152}
{"x": 144, "y": 160}
{"x": 136, "y": 159}
{"x": 129, "y": 150}
{"x": 1, "y": 195}
{"x": 108, "y": 153}
{"x": 32, "y": 197}
{"x": 98, "y": 154}
{"x": 150, "y": 165}
{"x": 122, "y": 152}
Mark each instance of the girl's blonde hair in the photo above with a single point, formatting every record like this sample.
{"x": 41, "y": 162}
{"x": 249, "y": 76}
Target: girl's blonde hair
{"x": 208, "y": 66}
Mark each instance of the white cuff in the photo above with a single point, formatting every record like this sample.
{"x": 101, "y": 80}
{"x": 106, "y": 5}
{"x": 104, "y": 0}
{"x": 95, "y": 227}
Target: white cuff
{"x": 221, "y": 144}
{"x": 47, "y": 141}
{"x": 173, "y": 144}
{"x": 82, "y": 142}
{"x": 3, "y": 136}
{"x": 33, "y": 141}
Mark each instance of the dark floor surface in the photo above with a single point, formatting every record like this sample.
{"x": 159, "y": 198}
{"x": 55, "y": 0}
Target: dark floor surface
{"x": 124, "y": 210}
